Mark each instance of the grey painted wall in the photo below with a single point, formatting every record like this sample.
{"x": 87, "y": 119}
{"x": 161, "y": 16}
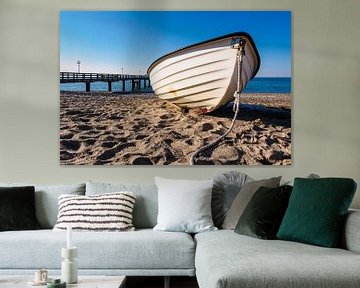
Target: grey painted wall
{"x": 326, "y": 90}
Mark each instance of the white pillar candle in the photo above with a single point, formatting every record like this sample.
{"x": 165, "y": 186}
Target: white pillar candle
{"x": 69, "y": 237}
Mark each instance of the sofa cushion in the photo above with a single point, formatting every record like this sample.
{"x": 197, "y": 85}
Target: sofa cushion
{"x": 46, "y": 200}
{"x": 225, "y": 189}
{"x": 350, "y": 239}
{"x": 17, "y": 208}
{"x": 105, "y": 212}
{"x": 143, "y": 249}
{"x": 263, "y": 215}
{"x": 317, "y": 209}
{"x": 184, "y": 205}
{"x": 146, "y": 205}
{"x": 225, "y": 259}
{"x": 243, "y": 198}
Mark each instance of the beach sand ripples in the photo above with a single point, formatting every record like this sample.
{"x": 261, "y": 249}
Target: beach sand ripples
{"x": 113, "y": 129}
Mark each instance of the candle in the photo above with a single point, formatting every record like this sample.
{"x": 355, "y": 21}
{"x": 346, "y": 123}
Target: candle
{"x": 69, "y": 239}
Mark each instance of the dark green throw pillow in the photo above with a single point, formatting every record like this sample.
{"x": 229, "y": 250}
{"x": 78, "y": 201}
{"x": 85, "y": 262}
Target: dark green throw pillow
{"x": 17, "y": 208}
{"x": 263, "y": 214}
{"x": 316, "y": 211}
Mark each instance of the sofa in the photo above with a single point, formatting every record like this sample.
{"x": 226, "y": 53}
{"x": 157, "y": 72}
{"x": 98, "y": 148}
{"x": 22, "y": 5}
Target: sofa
{"x": 218, "y": 259}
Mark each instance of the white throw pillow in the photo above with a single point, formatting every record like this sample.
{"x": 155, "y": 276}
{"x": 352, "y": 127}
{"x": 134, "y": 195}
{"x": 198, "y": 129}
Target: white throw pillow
{"x": 104, "y": 212}
{"x": 184, "y": 205}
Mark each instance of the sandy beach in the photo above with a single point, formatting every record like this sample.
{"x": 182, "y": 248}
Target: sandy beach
{"x": 112, "y": 129}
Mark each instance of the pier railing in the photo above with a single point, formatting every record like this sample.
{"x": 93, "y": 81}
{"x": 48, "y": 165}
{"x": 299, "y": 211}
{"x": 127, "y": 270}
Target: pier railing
{"x": 87, "y": 78}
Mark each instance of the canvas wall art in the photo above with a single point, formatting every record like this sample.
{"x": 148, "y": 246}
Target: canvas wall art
{"x": 175, "y": 88}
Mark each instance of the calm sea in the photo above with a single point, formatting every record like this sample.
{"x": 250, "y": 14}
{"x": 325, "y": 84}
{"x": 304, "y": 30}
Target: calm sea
{"x": 256, "y": 85}
{"x": 269, "y": 85}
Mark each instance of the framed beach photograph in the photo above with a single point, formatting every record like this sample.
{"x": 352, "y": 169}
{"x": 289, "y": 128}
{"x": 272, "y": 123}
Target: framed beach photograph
{"x": 175, "y": 88}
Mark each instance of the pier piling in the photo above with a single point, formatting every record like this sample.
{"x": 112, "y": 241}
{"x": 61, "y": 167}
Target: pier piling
{"x": 123, "y": 85}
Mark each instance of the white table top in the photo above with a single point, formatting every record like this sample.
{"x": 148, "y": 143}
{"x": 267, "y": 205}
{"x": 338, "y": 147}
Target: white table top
{"x": 84, "y": 281}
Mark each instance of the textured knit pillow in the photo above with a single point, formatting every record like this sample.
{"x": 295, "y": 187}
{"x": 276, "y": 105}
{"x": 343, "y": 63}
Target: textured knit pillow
{"x": 146, "y": 205}
{"x": 105, "y": 212}
{"x": 184, "y": 205}
{"x": 226, "y": 187}
{"x": 243, "y": 198}
{"x": 17, "y": 209}
{"x": 316, "y": 211}
{"x": 263, "y": 215}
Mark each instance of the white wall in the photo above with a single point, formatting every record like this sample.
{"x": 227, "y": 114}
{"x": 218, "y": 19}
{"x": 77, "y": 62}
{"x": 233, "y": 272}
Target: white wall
{"x": 326, "y": 90}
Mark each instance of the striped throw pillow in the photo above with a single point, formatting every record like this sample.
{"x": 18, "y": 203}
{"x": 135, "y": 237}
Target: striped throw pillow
{"x": 105, "y": 212}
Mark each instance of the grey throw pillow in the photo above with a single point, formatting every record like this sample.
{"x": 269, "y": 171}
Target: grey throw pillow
{"x": 184, "y": 205}
{"x": 310, "y": 176}
{"x": 242, "y": 199}
{"x": 226, "y": 187}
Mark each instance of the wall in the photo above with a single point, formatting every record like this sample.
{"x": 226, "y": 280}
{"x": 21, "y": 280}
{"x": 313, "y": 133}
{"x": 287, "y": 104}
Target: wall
{"x": 326, "y": 90}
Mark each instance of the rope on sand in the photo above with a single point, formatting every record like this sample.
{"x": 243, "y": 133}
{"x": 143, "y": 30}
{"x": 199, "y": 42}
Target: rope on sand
{"x": 239, "y": 56}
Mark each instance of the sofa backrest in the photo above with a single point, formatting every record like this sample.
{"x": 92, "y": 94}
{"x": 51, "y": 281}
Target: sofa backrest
{"x": 146, "y": 203}
{"x": 46, "y": 200}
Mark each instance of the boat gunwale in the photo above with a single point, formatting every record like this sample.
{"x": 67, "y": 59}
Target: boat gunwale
{"x": 244, "y": 34}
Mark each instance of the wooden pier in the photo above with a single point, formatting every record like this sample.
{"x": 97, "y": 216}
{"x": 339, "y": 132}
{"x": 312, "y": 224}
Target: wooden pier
{"x": 137, "y": 81}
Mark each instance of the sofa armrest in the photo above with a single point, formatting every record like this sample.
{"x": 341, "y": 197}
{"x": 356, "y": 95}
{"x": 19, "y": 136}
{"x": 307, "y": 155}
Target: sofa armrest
{"x": 351, "y": 234}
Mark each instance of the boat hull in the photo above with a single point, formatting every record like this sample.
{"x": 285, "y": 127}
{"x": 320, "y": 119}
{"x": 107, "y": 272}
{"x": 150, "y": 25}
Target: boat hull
{"x": 204, "y": 76}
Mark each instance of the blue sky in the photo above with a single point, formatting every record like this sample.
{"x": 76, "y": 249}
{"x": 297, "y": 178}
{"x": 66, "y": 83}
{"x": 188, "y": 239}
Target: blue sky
{"x": 106, "y": 41}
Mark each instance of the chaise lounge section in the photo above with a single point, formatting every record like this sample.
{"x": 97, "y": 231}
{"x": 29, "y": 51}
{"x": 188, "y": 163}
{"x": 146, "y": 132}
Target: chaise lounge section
{"x": 225, "y": 259}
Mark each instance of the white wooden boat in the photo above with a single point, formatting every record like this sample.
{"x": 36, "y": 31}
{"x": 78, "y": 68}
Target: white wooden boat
{"x": 204, "y": 76}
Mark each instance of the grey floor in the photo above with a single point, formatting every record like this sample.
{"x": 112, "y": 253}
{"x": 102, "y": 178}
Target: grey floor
{"x": 158, "y": 282}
